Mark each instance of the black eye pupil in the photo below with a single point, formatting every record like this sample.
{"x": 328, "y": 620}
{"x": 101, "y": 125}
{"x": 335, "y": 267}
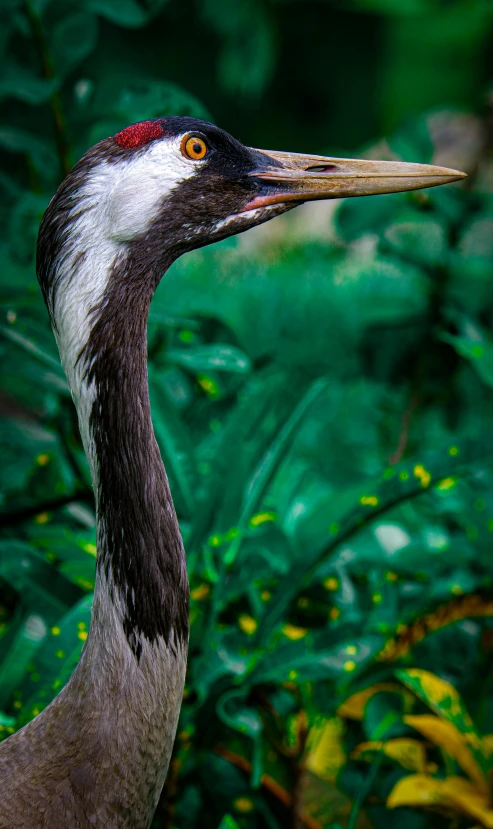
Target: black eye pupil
{"x": 197, "y": 148}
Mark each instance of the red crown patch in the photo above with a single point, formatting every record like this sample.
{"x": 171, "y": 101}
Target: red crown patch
{"x": 137, "y": 135}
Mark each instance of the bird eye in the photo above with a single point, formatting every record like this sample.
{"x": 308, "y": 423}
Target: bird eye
{"x": 194, "y": 147}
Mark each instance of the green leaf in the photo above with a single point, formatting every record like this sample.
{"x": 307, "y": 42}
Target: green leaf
{"x": 24, "y": 639}
{"x": 17, "y": 140}
{"x": 357, "y": 216}
{"x": 311, "y": 660}
{"x": 228, "y": 822}
{"x": 18, "y": 82}
{"x": 393, "y": 486}
{"x": 176, "y": 445}
{"x": 129, "y": 13}
{"x": 118, "y": 104}
{"x": 72, "y": 39}
{"x": 247, "y": 59}
{"x": 382, "y": 718}
{"x": 262, "y": 476}
{"x": 43, "y": 590}
{"x": 440, "y": 695}
{"x": 39, "y": 353}
{"x": 55, "y": 661}
{"x": 388, "y": 291}
{"x": 211, "y": 358}
{"x": 418, "y": 239}
{"x": 22, "y": 442}
{"x": 477, "y": 348}
{"x": 445, "y": 700}
{"x": 247, "y": 426}
{"x": 233, "y": 711}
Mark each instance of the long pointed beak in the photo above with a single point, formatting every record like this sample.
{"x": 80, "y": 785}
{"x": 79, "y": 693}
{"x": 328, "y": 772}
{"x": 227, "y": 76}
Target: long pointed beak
{"x": 297, "y": 177}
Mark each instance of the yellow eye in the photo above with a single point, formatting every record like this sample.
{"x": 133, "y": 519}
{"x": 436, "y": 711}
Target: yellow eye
{"x": 194, "y": 147}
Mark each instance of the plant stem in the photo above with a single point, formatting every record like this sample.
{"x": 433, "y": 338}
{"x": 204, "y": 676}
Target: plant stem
{"x": 298, "y": 770}
{"x": 48, "y": 71}
{"x": 364, "y": 792}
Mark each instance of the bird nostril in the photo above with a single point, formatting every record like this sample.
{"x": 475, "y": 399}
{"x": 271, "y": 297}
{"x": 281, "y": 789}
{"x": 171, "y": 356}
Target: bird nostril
{"x": 321, "y": 168}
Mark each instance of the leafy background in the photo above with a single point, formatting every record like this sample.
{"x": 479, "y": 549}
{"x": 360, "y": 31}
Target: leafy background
{"x": 322, "y": 396}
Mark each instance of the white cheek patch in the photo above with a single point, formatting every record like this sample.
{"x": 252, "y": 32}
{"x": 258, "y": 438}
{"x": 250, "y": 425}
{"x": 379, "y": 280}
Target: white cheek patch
{"x": 141, "y": 185}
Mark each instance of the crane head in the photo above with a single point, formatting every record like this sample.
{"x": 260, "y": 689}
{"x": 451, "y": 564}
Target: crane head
{"x": 197, "y": 184}
{"x": 138, "y": 200}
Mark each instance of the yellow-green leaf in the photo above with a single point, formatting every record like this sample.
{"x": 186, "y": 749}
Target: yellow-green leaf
{"x": 454, "y": 793}
{"x": 445, "y": 735}
{"x": 488, "y": 746}
{"x": 446, "y": 701}
{"x": 325, "y": 752}
{"x": 354, "y": 707}
{"x": 409, "y": 753}
{"x": 441, "y": 696}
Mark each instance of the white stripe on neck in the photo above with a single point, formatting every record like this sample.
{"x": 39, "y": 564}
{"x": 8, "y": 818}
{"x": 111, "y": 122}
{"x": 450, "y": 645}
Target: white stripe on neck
{"x": 117, "y": 202}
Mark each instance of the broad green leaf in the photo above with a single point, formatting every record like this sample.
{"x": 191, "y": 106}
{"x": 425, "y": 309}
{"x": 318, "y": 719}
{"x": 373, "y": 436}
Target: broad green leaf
{"x": 388, "y": 290}
{"x": 257, "y": 414}
{"x": 469, "y": 284}
{"x": 22, "y": 443}
{"x": 246, "y": 60}
{"x": 258, "y": 483}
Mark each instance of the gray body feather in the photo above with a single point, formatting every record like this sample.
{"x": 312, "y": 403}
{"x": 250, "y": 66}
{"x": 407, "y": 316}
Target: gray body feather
{"x": 98, "y": 755}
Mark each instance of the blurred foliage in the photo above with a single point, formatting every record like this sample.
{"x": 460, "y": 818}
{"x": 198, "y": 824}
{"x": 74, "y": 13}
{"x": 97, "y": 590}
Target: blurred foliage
{"x": 322, "y": 393}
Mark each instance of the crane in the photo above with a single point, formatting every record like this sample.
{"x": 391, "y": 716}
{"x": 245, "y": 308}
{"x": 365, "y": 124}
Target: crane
{"x": 97, "y": 756}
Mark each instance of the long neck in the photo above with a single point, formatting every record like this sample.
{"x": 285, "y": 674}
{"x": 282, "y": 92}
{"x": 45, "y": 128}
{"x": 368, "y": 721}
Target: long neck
{"x": 141, "y": 563}
{"x": 98, "y": 291}
{"x": 140, "y": 550}
{"x": 116, "y": 718}
{"x": 132, "y": 670}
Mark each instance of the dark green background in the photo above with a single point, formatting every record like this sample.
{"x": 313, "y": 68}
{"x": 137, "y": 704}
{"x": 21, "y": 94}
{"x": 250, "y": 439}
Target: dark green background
{"x": 321, "y": 393}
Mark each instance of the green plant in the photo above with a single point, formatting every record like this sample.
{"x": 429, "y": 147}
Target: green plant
{"x": 323, "y": 405}
{"x": 450, "y": 735}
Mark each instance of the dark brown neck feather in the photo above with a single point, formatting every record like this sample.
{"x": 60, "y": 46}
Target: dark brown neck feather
{"x": 140, "y": 547}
